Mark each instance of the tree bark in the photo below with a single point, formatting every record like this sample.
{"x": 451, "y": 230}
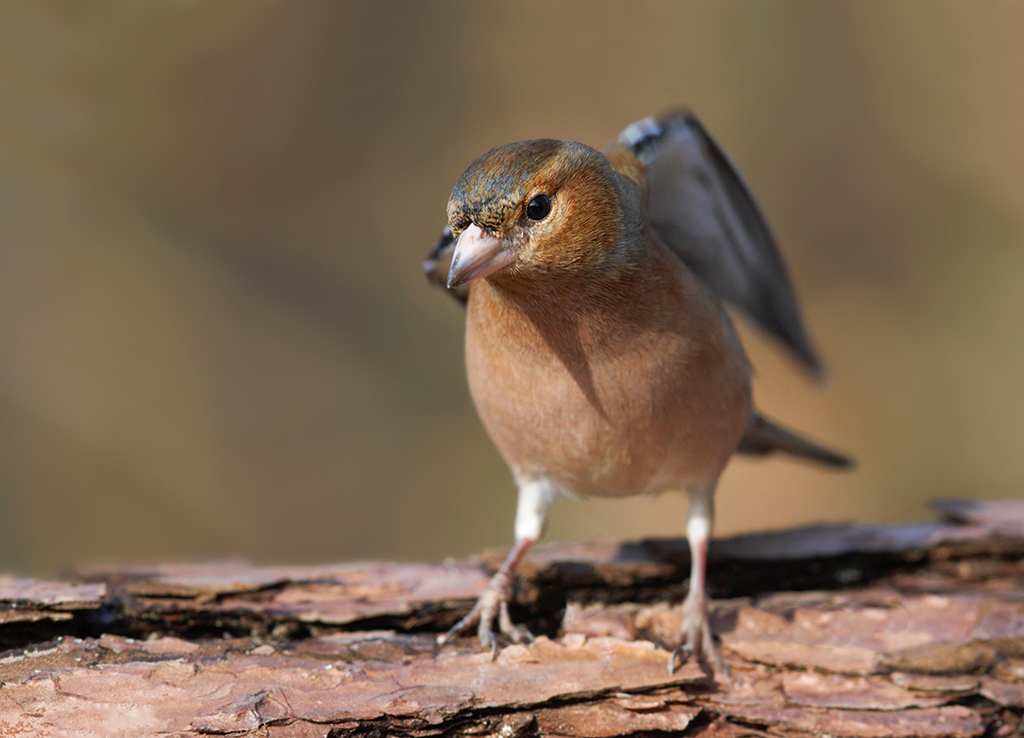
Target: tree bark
{"x": 847, "y": 630}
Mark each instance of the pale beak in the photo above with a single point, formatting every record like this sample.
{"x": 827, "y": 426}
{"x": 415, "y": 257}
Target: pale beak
{"x": 477, "y": 255}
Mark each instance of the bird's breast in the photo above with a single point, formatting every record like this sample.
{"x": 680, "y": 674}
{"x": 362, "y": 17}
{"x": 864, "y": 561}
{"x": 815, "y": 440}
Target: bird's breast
{"x": 606, "y": 401}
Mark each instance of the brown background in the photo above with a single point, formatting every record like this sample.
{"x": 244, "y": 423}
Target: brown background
{"x": 215, "y": 338}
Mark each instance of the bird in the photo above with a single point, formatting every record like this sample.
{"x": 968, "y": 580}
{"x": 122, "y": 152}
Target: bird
{"x": 598, "y": 352}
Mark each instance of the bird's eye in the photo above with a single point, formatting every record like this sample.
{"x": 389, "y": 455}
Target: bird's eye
{"x": 538, "y": 208}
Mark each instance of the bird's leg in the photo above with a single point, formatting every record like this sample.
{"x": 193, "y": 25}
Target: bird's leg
{"x": 534, "y": 501}
{"x": 493, "y": 605}
{"x": 696, "y": 633}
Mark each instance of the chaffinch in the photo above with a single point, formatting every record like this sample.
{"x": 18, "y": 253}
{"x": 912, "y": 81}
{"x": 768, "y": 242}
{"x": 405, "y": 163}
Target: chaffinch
{"x": 598, "y": 354}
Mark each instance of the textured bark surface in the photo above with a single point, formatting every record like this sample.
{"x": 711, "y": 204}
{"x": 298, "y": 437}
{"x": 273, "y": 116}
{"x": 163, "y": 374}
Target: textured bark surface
{"x": 846, "y": 630}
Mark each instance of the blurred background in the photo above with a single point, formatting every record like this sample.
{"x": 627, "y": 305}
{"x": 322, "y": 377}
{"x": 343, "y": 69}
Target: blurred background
{"x": 216, "y": 338}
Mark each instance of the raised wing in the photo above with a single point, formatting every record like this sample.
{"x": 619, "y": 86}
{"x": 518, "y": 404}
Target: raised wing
{"x": 702, "y": 209}
{"x": 439, "y": 260}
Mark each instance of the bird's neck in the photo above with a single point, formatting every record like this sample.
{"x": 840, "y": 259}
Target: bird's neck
{"x": 583, "y": 289}
{"x": 592, "y": 308}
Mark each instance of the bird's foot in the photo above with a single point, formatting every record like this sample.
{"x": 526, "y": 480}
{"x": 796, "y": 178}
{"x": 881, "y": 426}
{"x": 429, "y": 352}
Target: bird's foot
{"x": 492, "y": 605}
{"x": 697, "y": 640}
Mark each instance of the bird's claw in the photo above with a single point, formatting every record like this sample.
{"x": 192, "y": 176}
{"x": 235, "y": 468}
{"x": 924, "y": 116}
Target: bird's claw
{"x": 518, "y": 633}
{"x": 697, "y": 641}
{"x": 680, "y": 653}
{"x": 492, "y": 606}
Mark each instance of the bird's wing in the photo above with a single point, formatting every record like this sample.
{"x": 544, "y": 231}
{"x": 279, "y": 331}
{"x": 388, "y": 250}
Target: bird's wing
{"x": 699, "y": 205}
{"x": 439, "y": 261}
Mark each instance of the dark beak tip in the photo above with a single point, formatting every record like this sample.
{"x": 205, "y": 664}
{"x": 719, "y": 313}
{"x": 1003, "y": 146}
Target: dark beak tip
{"x": 453, "y": 280}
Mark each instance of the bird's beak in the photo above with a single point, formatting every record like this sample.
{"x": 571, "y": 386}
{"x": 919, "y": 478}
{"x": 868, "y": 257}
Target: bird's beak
{"x": 476, "y": 256}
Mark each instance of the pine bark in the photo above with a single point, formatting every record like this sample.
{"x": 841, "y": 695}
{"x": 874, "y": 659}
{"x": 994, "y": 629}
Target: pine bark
{"x": 846, "y": 630}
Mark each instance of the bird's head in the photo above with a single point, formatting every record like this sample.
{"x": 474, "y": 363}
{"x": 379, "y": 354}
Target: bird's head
{"x": 540, "y": 208}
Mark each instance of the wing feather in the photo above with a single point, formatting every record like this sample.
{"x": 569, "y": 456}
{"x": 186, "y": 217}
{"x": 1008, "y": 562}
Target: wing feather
{"x": 439, "y": 261}
{"x": 703, "y": 210}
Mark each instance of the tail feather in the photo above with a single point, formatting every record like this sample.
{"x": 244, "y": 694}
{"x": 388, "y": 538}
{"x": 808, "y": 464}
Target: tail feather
{"x": 764, "y": 437}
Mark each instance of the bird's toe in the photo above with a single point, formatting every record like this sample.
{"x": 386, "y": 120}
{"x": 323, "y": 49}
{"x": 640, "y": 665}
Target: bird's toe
{"x": 697, "y": 641}
{"x": 491, "y": 608}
